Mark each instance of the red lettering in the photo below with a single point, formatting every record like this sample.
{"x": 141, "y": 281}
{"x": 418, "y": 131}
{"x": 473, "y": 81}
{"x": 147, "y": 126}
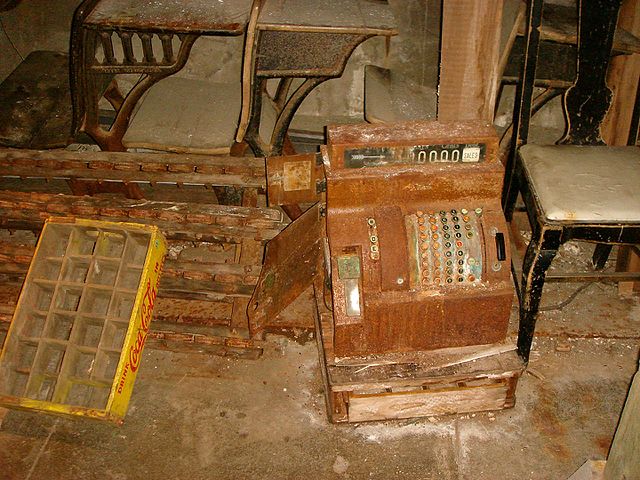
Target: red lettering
{"x": 148, "y": 302}
{"x": 146, "y": 309}
{"x": 135, "y": 351}
{"x": 123, "y": 377}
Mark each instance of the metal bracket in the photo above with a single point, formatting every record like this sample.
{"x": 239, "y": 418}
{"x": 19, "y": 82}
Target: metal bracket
{"x": 321, "y": 186}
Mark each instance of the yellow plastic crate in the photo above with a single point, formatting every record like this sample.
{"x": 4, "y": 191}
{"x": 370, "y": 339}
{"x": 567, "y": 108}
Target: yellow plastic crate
{"x": 75, "y": 342}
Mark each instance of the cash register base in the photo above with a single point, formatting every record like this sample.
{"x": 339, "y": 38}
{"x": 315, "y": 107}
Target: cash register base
{"x": 415, "y": 384}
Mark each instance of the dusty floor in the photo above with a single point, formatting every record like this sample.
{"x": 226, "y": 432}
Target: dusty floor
{"x": 199, "y": 417}
{"x": 194, "y": 416}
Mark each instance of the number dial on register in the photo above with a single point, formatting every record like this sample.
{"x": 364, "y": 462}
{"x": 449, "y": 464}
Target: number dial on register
{"x": 447, "y": 247}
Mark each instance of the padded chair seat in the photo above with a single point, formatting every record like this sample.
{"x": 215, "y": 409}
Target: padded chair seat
{"x": 185, "y": 115}
{"x": 584, "y": 184}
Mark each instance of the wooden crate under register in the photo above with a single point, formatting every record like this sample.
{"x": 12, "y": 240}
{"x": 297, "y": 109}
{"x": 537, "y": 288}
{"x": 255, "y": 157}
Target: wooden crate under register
{"x": 395, "y": 386}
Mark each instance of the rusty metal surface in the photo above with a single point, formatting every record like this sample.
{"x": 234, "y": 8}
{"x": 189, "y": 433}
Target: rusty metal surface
{"x": 291, "y": 261}
{"x": 347, "y": 16}
{"x": 409, "y": 376}
{"x": 229, "y": 16}
{"x": 314, "y": 55}
{"x": 405, "y": 216}
{"x": 294, "y": 179}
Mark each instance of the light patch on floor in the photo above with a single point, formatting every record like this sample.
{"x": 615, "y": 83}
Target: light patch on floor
{"x": 386, "y": 431}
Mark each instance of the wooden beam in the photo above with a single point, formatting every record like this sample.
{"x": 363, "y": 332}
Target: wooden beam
{"x": 622, "y": 79}
{"x": 133, "y": 167}
{"x": 623, "y": 456}
{"x": 470, "y": 59}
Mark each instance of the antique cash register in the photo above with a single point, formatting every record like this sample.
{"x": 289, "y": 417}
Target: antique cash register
{"x": 417, "y": 238}
{"x": 408, "y": 253}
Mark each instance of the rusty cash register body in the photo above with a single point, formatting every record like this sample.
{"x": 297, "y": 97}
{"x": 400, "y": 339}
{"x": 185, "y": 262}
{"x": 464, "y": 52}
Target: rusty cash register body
{"x": 417, "y": 238}
{"x": 406, "y": 248}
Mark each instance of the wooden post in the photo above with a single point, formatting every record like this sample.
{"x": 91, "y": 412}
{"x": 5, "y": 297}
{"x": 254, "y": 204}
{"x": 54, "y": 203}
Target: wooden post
{"x": 623, "y": 457}
{"x": 470, "y": 58}
{"x": 622, "y": 79}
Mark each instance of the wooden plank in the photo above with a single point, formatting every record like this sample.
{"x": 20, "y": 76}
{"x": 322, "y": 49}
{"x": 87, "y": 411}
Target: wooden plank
{"x": 333, "y": 16}
{"x": 207, "y": 344}
{"x": 470, "y": 59}
{"x": 623, "y": 456}
{"x": 513, "y": 16}
{"x": 405, "y": 375}
{"x": 249, "y": 252}
{"x": 191, "y": 312}
{"x": 174, "y": 326}
{"x": 17, "y": 258}
{"x": 560, "y": 22}
{"x": 172, "y": 15}
{"x": 387, "y": 406}
{"x": 201, "y": 222}
{"x": 138, "y": 177}
{"x": 628, "y": 261}
{"x": 622, "y": 79}
{"x": 133, "y": 167}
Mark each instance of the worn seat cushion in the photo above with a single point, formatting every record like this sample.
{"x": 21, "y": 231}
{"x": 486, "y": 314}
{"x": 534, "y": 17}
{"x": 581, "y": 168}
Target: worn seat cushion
{"x": 584, "y": 184}
{"x": 186, "y": 115}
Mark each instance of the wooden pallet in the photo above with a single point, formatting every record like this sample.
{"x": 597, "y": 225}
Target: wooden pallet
{"x": 414, "y": 384}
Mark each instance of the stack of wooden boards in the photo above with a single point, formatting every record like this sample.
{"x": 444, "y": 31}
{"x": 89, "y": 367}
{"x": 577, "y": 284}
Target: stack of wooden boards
{"x": 215, "y": 251}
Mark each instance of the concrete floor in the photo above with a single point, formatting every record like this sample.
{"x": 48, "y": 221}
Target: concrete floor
{"x": 193, "y": 416}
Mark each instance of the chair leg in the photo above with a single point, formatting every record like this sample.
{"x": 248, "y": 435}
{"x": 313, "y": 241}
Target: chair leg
{"x": 510, "y": 193}
{"x": 600, "y": 255}
{"x": 540, "y": 252}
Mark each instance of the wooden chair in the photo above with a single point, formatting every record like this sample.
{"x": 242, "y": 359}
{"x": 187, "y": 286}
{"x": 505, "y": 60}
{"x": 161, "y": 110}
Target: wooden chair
{"x": 198, "y": 116}
{"x": 578, "y": 189}
{"x": 161, "y": 111}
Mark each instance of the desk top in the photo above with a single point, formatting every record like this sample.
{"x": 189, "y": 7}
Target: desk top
{"x": 559, "y": 24}
{"x": 179, "y": 16}
{"x": 372, "y": 17}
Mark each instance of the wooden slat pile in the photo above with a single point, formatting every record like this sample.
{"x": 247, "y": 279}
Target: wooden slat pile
{"x": 215, "y": 251}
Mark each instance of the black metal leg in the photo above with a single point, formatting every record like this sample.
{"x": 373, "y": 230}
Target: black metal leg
{"x": 600, "y": 255}
{"x": 512, "y": 188}
{"x": 540, "y": 252}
